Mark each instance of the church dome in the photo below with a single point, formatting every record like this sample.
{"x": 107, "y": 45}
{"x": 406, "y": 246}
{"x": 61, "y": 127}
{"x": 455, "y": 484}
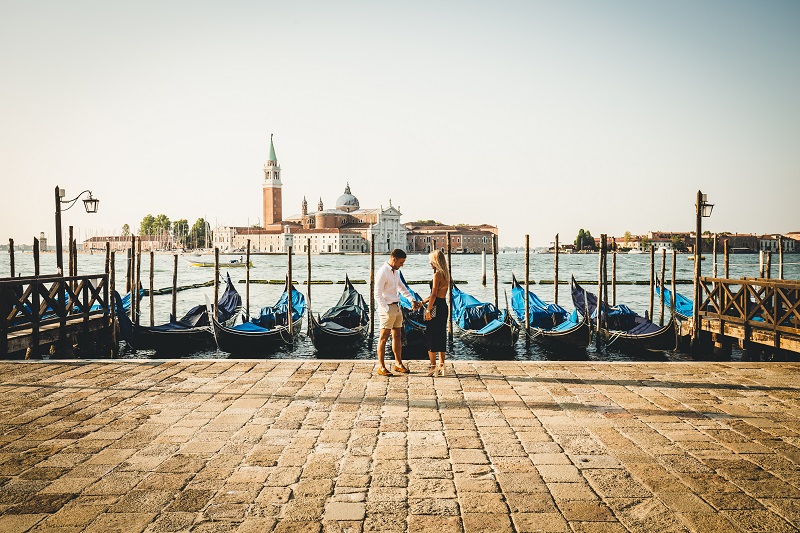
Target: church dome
{"x": 347, "y": 202}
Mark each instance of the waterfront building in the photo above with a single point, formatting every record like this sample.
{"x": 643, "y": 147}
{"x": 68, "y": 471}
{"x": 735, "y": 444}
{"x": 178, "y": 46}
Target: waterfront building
{"x": 347, "y": 228}
{"x": 464, "y": 238}
{"x": 769, "y": 243}
{"x": 150, "y": 243}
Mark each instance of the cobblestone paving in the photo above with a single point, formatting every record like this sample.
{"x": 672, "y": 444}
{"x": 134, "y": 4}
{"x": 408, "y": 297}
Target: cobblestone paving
{"x": 309, "y": 446}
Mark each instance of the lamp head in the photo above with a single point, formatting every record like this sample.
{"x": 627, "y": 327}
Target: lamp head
{"x": 91, "y": 204}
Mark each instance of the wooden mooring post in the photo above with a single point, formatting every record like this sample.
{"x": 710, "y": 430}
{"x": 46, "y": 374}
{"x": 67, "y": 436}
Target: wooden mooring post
{"x": 598, "y": 336}
{"x": 36, "y": 264}
{"x": 494, "y": 268}
{"x": 70, "y": 265}
{"x": 555, "y": 274}
{"x": 768, "y": 264}
{"x": 726, "y": 260}
{"x": 152, "y": 271}
{"x": 138, "y": 277}
{"x": 175, "y": 287}
{"x": 527, "y": 282}
{"x": 483, "y": 267}
{"x": 112, "y": 280}
{"x": 11, "y": 256}
{"x": 652, "y": 280}
{"x": 672, "y": 300}
{"x": 371, "y": 289}
{"x": 289, "y": 312}
{"x": 308, "y": 284}
{"x": 216, "y": 281}
{"x": 780, "y": 257}
{"x": 450, "y": 291}
{"x": 663, "y": 272}
{"x": 247, "y": 282}
{"x": 614, "y": 272}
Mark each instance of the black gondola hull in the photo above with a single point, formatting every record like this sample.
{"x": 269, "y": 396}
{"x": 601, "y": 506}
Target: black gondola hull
{"x": 254, "y": 344}
{"x": 504, "y": 337}
{"x": 575, "y": 339}
{"x": 329, "y": 342}
{"x": 173, "y": 343}
{"x": 665, "y": 339}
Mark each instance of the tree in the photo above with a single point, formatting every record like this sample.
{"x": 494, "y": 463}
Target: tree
{"x": 126, "y": 230}
{"x": 181, "y": 229}
{"x": 198, "y": 234}
{"x": 628, "y": 238}
{"x": 161, "y": 225}
{"x": 644, "y": 243}
{"x": 584, "y": 240}
{"x": 677, "y": 243}
{"x": 146, "y": 226}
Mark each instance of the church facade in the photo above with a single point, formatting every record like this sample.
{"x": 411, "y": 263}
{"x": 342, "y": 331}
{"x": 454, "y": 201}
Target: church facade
{"x": 346, "y": 228}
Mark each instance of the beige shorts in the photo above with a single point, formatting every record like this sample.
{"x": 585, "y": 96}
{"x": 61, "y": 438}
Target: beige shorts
{"x": 391, "y": 318}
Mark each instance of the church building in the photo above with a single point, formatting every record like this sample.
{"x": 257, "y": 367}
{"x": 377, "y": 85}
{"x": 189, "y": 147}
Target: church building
{"x": 344, "y": 229}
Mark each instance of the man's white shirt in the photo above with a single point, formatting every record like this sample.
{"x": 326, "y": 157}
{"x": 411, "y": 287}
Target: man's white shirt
{"x": 387, "y": 284}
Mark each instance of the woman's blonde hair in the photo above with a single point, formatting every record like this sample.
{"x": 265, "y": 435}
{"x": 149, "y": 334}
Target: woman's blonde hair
{"x": 439, "y": 264}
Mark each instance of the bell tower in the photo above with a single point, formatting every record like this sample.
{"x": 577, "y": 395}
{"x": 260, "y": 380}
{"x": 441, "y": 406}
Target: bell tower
{"x": 273, "y": 207}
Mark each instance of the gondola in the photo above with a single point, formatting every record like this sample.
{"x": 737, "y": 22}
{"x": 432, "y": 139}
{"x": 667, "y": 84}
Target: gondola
{"x": 265, "y": 333}
{"x": 344, "y": 326}
{"x": 482, "y": 324}
{"x": 178, "y": 337}
{"x": 625, "y": 330}
{"x": 413, "y": 323}
{"x": 683, "y": 305}
{"x": 550, "y": 324}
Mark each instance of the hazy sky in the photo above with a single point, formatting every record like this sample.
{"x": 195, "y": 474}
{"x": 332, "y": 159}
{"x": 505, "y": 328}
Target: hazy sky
{"x": 539, "y": 117}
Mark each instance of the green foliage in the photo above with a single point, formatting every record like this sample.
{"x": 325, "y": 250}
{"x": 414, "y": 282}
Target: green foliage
{"x": 427, "y": 223}
{"x": 198, "y": 237}
{"x": 146, "y": 225}
{"x": 677, "y": 243}
{"x": 644, "y": 242}
{"x": 161, "y": 225}
{"x": 126, "y": 230}
{"x": 584, "y": 240}
{"x": 181, "y": 229}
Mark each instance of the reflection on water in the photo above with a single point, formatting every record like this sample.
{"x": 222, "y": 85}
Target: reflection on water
{"x": 466, "y": 268}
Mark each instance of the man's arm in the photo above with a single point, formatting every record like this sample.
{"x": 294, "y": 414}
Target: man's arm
{"x": 380, "y": 292}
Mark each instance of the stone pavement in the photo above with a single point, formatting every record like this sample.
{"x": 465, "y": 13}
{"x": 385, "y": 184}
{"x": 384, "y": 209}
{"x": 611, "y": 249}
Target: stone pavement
{"x": 308, "y": 446}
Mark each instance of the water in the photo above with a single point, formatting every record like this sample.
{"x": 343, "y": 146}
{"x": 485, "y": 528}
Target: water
{"x": 465, "y": 267}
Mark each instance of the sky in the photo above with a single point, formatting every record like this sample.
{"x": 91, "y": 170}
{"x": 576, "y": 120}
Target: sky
{"x": 537, "y": 117}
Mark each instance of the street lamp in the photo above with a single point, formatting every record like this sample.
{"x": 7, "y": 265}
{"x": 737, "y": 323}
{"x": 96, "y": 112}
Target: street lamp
{"x": 702, "y": 209}
{"x": 90, "y": 204}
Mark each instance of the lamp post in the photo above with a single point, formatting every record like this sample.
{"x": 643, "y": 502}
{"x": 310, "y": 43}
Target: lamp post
{"x": 90, "y": 204}
{"x": 702, "y": 209}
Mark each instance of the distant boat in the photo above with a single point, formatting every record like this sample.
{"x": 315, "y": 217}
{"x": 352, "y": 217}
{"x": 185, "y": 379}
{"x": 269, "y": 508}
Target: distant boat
{"x": 233, "y": 263}
{"x": 691, "y": 258}
{"x": 635, "y": 251}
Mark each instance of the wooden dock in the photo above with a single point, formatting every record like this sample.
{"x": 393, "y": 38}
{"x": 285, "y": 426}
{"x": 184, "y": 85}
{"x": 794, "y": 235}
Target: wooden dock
{"x": 761, "y": 311}
{"x": 55, "y": 311}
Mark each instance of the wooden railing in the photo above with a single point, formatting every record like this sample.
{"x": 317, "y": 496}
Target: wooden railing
{"x": 753, "y": 302}
{"x": 33, "y": 303}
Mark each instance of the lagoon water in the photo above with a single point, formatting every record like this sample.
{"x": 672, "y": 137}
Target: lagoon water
{"x": 630, "y": 267}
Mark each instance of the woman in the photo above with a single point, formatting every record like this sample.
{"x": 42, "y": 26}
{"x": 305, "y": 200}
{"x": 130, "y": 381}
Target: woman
{"x": 436, "y": 313}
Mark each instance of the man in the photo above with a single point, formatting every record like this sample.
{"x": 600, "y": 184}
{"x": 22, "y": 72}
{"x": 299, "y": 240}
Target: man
{"x": 387, "y": 284}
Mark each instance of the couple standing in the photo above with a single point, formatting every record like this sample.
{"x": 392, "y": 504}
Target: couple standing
{"x": 387, "y": 285}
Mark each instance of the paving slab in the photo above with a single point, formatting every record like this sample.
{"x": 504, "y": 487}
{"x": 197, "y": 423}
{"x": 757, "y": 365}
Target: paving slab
{"x": 309, "y": 445}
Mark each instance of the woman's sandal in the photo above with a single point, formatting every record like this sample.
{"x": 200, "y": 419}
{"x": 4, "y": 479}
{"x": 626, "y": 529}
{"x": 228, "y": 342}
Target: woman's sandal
{"x": 440, "y": 370}
{"x": 432, "y": 371}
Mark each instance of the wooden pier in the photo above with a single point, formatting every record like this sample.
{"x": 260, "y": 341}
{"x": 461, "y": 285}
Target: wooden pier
{"x": 760, "y": 311}
{"x": 54, "y": 310}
